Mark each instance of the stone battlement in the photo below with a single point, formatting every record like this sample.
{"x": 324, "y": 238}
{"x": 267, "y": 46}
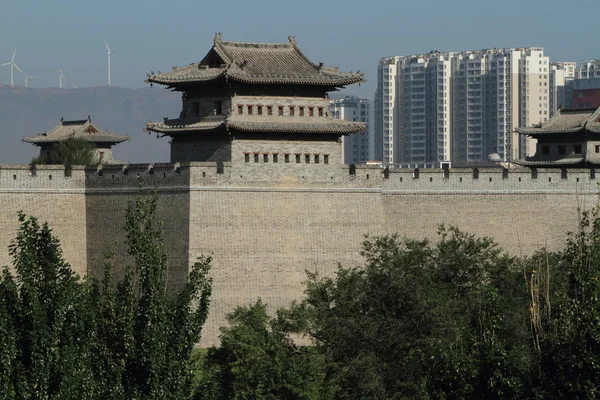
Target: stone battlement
{"x": 183, "y": 176}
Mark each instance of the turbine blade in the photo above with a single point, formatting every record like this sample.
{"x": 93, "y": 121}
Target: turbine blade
{"x": 2, "y": 65}
{"x": 13, "y": 57}
{"x": 107, "y": 48}
{"x": 17, "y": 67}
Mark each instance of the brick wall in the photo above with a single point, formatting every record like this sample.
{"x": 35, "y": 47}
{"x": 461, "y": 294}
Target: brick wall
{"x": 265, "y": 160}
{"x": 265, "y": 230}
{"x": 183, "y": 150}
{"x": 46, "y": 193}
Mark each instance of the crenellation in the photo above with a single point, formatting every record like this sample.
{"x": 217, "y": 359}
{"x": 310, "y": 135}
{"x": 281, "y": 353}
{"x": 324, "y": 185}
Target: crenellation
{"x": 26, "y": 177}
{"x": 130, "y": 176}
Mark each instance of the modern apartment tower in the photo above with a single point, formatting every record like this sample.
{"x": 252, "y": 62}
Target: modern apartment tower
{"x": 561, "y": 78}
{"x": 459, "y": 107}
{"x": 357, "y": 147}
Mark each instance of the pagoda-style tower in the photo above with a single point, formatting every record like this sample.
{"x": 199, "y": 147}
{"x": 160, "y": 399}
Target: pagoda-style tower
{"x": 253, "y": 104}
{"x": 101, "y": 139}
{"x": 571, "y": 138}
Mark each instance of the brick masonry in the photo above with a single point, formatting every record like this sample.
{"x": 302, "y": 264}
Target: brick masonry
{"x": 266, "y": 227}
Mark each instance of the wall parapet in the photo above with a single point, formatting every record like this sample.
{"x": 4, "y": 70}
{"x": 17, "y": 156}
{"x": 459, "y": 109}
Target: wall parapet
{"x": 30, "y": 177}
{"x": 186, "y": 175}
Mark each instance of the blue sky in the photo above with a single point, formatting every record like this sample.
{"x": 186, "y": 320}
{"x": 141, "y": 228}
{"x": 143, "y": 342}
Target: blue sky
{"x": 154, "y": 35}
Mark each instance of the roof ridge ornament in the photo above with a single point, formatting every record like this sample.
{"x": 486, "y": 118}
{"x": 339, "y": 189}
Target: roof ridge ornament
{"x": 292, "y": 39}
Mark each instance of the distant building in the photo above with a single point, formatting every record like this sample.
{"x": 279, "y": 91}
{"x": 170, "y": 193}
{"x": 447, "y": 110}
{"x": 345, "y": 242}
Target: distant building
{"x": 84, "y": 129}
{"x": 588, "y": 69}
{"x": 561, "y": 77}
{"x": 459, "y": 106}
{"x": 357, "y": 147}
{"x": 571, "y": 138}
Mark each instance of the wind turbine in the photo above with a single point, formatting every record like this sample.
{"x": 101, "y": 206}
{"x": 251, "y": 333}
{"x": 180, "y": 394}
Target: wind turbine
{"x": 12, "y": 66}
{"x": 28, "y": 77}
{"x": 108, "y": 51}
{"x": 61, "y": 78}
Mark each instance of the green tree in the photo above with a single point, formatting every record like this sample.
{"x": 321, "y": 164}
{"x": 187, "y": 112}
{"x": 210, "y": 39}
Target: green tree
{"x": 46, "y": 347}
{"x": 62, "y": 338}
{"x": 447, "y": 320}
{"x": 256, "y": 360}
{"x": 150, "y": 331}
{"x": 569, "y": 333}
{"x": 73, "y": 151}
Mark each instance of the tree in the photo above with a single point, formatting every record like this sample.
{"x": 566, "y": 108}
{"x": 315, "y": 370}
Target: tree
{"x": 73, "y": 151}
{"x": 149, "y": 330}
{"x": 45, "y": 351}
{"x": 421, "y": 321}
{"x": 256, "y": 360}
{"x": 63, "y": 338}
{"x": 570, "y": 324}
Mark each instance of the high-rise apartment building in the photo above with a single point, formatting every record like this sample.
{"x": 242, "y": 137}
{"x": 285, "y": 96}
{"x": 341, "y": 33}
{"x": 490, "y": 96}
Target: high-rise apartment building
{"x": 459, "y": 106}
{"x": 561, "y": 77}
{"x": 356, "y": 147}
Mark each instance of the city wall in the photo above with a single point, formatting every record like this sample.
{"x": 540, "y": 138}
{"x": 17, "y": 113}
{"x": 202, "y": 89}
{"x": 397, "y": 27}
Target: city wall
{"x": 264, "y": 233}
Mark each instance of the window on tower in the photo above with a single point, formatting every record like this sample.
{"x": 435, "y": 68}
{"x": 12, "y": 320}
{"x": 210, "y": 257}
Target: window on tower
{"x": 218, "y": 108}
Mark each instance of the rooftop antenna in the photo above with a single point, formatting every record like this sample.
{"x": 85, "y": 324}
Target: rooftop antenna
{"x": 12, "y": 66}
{"x": 108, "y": 51}
{"x": 61, "y": 78}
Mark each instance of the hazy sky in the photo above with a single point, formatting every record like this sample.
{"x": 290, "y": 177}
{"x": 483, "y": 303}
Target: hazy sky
{"x": 154, "y": 35}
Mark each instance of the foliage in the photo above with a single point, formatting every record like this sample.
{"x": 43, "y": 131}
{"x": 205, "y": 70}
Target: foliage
{"x": 73, "y": 151}
{"x": 257, "y": 361}
{"x": 422, "y": 320}
{"x": 570, "y": 332}
{"x": 62, "y": 338}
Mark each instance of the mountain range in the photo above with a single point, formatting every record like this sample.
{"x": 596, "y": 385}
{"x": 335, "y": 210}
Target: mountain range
{"x": 29, "y": 111}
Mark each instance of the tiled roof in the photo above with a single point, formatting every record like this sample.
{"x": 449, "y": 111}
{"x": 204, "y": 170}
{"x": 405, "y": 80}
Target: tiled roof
{"x": 189, "y": 125}
{"x": 567, "y": 121}
{"x": 568, "y": 160}
{"x": 257, "y": 63}
{"x": 80, "y": 129}
{"x": 247, "y": 123}
{"x": 294, "y": 124}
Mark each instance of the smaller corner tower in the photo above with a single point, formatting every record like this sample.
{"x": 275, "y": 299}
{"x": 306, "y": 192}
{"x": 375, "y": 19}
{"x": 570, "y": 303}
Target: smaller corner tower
{"x": 85, "y": 129}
